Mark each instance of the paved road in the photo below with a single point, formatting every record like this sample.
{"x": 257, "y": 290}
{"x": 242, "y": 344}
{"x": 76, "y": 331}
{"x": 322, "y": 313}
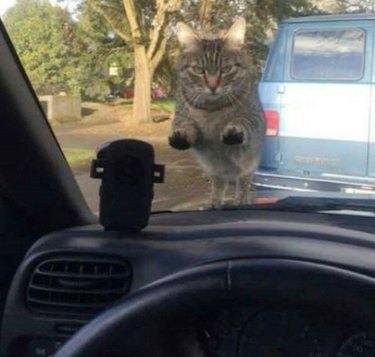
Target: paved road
{"x": 185, "y": 186}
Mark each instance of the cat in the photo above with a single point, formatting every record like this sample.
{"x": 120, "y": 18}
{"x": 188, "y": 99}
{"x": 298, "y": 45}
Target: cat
{"x": 218, "y": 113}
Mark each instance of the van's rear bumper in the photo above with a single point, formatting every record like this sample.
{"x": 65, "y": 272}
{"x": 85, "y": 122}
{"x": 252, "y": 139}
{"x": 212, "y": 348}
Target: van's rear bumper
{"x": 329, "y": 183}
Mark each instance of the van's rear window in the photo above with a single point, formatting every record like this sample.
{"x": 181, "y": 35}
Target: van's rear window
{"x": 332, "y": 54}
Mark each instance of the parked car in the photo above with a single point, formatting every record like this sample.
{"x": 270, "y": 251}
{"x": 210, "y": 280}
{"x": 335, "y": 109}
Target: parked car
{"x": 157, "y": 92}
{"x": 318, "y": 97}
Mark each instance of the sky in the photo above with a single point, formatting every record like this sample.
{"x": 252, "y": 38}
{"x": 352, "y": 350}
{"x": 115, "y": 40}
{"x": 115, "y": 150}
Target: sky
{"x": 5, "y": 5}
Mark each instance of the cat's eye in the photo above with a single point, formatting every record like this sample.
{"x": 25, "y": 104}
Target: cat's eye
{"x": 198, "y": 69}
{"x": 226, "y": 69}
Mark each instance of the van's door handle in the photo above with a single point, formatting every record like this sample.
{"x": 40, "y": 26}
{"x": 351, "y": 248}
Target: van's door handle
{"x": 281, "y": 89}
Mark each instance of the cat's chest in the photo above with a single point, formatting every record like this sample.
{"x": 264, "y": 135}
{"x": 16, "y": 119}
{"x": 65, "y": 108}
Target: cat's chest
{"x": 211, "y": 124}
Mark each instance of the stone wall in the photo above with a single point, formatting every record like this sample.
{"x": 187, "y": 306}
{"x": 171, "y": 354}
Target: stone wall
{"x": 61, "y": 108}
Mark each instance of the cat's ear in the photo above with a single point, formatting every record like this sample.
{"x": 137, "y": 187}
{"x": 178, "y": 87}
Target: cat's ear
{"x": 235, "y": 36}
{"x": 187, "y": 38}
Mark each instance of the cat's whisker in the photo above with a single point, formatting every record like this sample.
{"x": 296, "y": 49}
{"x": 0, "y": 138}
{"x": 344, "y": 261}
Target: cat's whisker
{"x": 237, "y": 101}
{"x": 229, "y": 99}
{"x": 250, "y": 123}
{"x": 190, "y": 98}
{"x": 194, "y": 102}
{"x": 198, "y": 100}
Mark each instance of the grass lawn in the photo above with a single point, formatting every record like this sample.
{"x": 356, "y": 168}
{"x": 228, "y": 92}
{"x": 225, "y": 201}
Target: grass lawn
{"x": 77, "y": 156}
{"x": 163, "y": 105}
{"x": 160, "y": 105}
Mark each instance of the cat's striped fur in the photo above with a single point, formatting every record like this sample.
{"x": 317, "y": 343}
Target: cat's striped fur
{"x": 218, "y": 113}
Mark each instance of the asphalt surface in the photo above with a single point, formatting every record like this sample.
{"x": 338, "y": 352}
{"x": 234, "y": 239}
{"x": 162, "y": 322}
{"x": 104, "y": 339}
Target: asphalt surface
{"x": 185, "y": 186}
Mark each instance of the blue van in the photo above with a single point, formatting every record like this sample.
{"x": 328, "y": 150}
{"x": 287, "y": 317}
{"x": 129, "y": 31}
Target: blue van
{"x": 318, "y": 94}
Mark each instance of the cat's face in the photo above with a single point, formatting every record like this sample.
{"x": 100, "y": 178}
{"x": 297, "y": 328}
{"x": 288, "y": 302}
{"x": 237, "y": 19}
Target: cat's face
{"x": 211, "y": 69}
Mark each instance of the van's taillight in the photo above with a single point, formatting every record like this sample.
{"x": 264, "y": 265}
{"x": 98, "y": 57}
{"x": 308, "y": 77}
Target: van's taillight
{"x": 272, "y": 120}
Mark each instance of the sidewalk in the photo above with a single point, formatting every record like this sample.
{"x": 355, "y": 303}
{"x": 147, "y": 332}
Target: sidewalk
{"x": 184, "y": 181}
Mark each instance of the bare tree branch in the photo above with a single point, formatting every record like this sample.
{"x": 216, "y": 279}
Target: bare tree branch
{"x": 205, "y": 13}
{"x": 156, "y": 59}
{"x": 158, "y": 33}
{"x": 97, "y": 8}
{"x": 174, "y": 5}
{"x": 159, "y": 25}
{"x": 131, "y": 14}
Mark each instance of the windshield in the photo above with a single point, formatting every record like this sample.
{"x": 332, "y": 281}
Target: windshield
{"x": 244, "y": 102}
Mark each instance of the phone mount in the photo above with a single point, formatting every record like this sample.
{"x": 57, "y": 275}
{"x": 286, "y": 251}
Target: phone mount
{"x": 128, "y": 172}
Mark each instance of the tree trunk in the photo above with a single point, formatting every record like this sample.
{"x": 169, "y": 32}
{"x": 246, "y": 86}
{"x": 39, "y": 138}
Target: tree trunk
{"x": 142, "y": 87}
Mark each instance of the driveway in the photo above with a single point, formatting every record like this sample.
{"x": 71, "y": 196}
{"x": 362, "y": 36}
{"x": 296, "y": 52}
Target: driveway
{"x": 184, "y": 186}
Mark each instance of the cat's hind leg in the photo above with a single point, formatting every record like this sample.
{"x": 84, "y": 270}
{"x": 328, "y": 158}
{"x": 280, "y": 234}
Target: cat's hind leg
{"x": 219, "y": 187}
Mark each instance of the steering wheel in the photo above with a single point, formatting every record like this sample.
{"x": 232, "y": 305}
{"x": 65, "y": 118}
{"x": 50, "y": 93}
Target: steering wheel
{"x": 156, "y": 320}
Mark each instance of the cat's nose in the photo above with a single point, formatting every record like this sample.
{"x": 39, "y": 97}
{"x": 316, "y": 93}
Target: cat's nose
{"x": 212, "y": 83}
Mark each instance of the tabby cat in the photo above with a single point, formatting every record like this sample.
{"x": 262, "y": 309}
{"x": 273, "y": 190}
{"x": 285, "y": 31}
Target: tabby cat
{"x": 218, "y": 113}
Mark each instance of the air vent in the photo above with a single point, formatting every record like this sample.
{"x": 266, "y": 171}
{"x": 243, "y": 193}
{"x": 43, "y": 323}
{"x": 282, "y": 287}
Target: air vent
{"x": 77, "y": 285}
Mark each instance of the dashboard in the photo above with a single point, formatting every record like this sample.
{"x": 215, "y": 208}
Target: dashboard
{"x": 68, "y": 277}
{"x": 279, "y": 332}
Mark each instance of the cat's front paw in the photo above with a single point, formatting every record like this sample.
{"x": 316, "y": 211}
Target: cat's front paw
{"x": 233, "y": 135}
{"x": 180, "y": 140}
